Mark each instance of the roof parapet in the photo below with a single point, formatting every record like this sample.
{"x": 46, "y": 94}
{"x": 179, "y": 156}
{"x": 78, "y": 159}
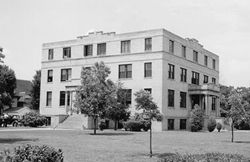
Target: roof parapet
{"x": 194, "y": 41}
{"x": 96, "y": 33}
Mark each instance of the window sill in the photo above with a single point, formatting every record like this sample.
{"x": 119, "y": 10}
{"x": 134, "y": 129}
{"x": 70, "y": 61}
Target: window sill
{"x": 183, "y": 108}
{"x": 171, "y": 79}
{"x": 147, "y": 77}
{"x": 171, "y": 107}
{"x": 49, "y": 82}
{"x": 61, "y": 107}
{"x": 124, "y": 53}
{"x": 88, "y": 56}
{"x": 65, "y": 81}
{"x": 48, "y": 107}
{"x": 125, "y": 79}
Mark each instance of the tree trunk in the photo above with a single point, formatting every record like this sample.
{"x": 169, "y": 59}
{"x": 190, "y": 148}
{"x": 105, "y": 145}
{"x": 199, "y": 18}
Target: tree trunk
{"x": 94, "y": 125}
{"x": 232, "y": 129}
{"x": 116, "y": 122}
{"x": 150, "y": 151}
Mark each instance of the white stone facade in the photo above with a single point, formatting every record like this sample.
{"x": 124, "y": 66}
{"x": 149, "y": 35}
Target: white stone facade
{"x": 159, "y": 56}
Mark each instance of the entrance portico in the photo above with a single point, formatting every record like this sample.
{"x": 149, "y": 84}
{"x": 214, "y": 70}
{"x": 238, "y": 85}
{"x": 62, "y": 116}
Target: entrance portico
{"x": 207, "y": 97}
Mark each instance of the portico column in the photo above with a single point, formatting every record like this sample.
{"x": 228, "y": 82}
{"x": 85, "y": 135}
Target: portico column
{"x": 217, "y": 106}
{"x": 71, "y": 110}
{"x": 206, "y": 104}
{"x": 66, "y": 101}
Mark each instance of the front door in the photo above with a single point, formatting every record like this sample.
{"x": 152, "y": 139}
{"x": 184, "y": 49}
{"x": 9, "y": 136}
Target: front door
{"x": 195, "y": 99}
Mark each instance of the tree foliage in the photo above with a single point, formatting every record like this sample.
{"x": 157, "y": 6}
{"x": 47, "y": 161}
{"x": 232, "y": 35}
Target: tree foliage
{"x": 197, "y": 119}
{"x": 96, "y": 93}
{"x": 119, "y": 108}
{"x": 35, "y": 91}
{"x": 144, "y": 101}
{"x": 7, "y": 86}
{"x": 238, "y": 110}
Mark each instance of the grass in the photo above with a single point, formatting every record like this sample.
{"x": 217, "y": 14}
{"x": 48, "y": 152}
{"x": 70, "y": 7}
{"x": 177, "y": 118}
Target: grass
{"x": 115, "y": 146}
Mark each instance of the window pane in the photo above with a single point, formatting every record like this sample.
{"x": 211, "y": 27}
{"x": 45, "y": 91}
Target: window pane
{"x": 148, "y": 44}
{"x": 62, "y": 98}
{"x": 183, "y": 51}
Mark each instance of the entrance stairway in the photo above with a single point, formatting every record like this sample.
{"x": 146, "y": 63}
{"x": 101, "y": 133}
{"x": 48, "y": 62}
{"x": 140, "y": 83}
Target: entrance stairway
{"x": 74, "y": 121}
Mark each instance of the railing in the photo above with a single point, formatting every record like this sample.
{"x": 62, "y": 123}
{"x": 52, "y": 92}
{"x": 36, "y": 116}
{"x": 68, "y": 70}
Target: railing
{"x": 209, "y": 86}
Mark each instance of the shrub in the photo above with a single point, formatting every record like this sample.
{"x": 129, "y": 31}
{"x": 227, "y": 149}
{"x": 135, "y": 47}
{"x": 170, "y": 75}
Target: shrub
{"x": 145, "y": 125}
{"x": 32, "y": 119}
{"x": 211, "y": 124}
{"x": 137, "y": 125}
{"x": 196, "y": 119}
{"x": 102, "y": 125}
{"x": 29, "y": 153}
{"x": 133, "y": 125}
{"x": 218, "y": 126}
{"x": 242, "y": 125}
{"x": 204, "y": 157}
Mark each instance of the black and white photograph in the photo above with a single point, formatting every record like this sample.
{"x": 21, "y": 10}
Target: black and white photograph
{"x": 124, "y": 81}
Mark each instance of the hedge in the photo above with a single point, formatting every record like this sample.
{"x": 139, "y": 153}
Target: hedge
{"x": 207, "y": 157}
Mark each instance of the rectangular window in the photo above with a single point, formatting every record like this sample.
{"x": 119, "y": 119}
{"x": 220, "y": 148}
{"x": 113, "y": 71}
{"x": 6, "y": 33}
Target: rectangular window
{"x": 65, "y": 74}
{"x": 50, "y": 76}
{"x": 171, "y": 46}
{"x": 213, "y": 63}
{"x": 170, "y": 124}
{"x": 183, "y": 99}
{"x": 148, "y": 44}
{"x": 62, "y": 98}
{"x": 148, "y": 90}
{"x": 205, "y": 79}
{"x": 195, "y": 78}
{"x": 66, "y": 52}
{"x": 195, "y": 56}
{"x": 125, "y": 71}
{"x": 51, "y": 54}
{"x": 171, "y": 98}
{"x": 88, "y": 50}
{"x": 183, "y": 51}
{"x": 205, "y": 60}
{"x": 101, "y": 49}
{"x": 49, "y": 98}
{"x": 213, "y": 103}
{"x": 183, "y": 124}
{"x": 125, "y": 46}
{"x": 148, "y": 69}
{"x": 183, "y": 75}
{"x": 170, "y": 71}
{"x": 213, "y": 80}
{"x": 128, "y": 96}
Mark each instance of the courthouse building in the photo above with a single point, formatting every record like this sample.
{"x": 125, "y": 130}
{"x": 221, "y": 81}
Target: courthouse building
{"x": 178, "y": 72}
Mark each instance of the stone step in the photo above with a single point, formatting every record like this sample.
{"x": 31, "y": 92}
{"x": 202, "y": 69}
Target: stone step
{"x": 72, "y": 122}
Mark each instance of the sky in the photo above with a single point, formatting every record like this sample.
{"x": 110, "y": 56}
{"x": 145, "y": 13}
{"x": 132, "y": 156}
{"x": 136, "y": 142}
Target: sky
{"x": 221, "y": 26}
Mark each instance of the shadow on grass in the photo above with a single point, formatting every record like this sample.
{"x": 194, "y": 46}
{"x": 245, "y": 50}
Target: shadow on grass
{"x": 242, "y": 142}
{"x": 111, "y": 134}
{"x": 155, "y": 155}
{"x": 14, "y": 140}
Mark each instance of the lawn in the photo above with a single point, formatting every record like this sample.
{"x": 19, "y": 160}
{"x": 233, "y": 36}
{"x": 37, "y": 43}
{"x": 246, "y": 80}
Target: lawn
{"x": 118, "y": 146}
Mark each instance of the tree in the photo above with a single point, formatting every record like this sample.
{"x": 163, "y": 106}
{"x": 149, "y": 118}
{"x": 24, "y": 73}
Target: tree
{"x": 119, "y": 109}
{"x": 224, "y": 94}
{"x": 144, "y": 101}
{"x": 237, "y": 111}
{"x": 7, "y": 86}
{"x": 196, "y": 119}
{"x": 35, "y": 91}
{"x": 96, "y": 93}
